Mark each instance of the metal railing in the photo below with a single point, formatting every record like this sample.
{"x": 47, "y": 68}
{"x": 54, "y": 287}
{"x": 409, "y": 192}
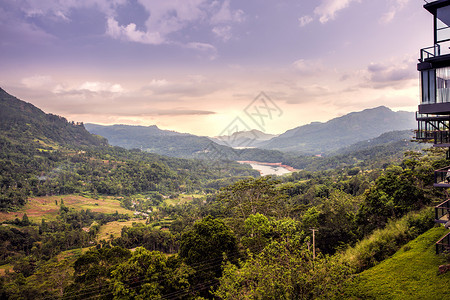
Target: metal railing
{"x": 441, "y": 137}
{"x": 442, "y": 212}
{"x": 443, "y": 245}
{"x": 430, "y": 52}
{"x": 442, "y": 177}
{"x": 438, "y": 137}
{"x": 424, "y": 135}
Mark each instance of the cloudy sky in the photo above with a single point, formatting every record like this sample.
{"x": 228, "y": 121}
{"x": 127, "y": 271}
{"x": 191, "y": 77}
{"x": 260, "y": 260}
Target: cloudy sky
{"x": 197, "y": 65}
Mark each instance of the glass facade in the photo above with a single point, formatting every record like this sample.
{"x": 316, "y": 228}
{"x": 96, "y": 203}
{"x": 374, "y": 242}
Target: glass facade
{"x": 443, "y": 24}
{"x": 435, "y": 85}
{"x": 443, "y": 85}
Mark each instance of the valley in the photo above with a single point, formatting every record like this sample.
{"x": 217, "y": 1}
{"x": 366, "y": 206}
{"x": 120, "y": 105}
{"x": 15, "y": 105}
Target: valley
{"x": 74, "y": 207}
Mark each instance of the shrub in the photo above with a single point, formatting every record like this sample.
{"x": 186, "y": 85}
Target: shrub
{"x": 382, "y": 243}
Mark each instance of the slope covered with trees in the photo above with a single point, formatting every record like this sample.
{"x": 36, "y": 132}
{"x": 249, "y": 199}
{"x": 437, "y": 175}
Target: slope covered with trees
{"x": 240, "y": 237}
{"x": 43, "y": 154}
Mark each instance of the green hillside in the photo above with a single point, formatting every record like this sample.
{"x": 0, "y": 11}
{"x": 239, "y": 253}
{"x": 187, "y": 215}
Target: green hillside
{"x": 44, "y": 154}
{"x": 412, "y": 273}
{"x": 22, "y": 122}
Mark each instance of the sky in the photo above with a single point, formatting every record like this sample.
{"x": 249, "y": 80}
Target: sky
{"x": 209, "y": 67}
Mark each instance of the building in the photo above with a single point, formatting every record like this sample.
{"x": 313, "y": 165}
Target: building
{"x": 433, "y": 116}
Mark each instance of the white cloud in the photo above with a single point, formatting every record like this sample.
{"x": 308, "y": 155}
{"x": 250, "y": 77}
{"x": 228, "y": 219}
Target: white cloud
{"x": 206, "y": 49}
{"x": 37, "y": 81}
{"x": 88, "y": 88}
{"x": 387, "y": 73}
{"x": 328, "y": 9}
{"x": 225, "y": 14}
{"x": 190, "y": 86}
{"x": 158, "y": 82}
{"x": 308, "y": 67}
{"x": 130, "y": 33}
{"x": 223, "y": 32}
{"x": 98, "y": 87}
{"x": 305, "y": 20}
{"x": 61, "y": 9}
{"x": 394, "y": 7}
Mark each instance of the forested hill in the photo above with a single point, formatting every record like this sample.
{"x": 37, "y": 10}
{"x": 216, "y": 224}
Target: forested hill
{"x": 44, "y": 154}
{"x": 22, "y": 121}
{"x": 340, "y": 132}
{"x": 154, "y": 140}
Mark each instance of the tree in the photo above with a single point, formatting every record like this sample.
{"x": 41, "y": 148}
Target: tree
{"x": 251, "y": 196}
{"x": 206, "y": 246}
{"x": 150, "y": 275}
{"x": 25, "y": 220}
{"x": 395, "y": 192}
{"x": 283, "y": 270}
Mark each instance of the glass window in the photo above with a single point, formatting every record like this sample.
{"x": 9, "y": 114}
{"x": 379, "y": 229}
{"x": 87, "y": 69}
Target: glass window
{"x": 432, "y": 85}
{"x": 443, "y": 24}
{"x": 443, "y": 85}
{"x": 425, "y": 94}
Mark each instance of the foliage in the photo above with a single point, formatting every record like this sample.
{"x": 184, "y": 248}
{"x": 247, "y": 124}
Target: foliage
{"x": 92, "y": 273}
{"x": 149, "y": 275}
{"x": 253, "y": 196}
{"x": 395, "y": 192}
{"x": 283, "y": 270}
{"x": 382, "y": 243}
{"x": 205, "y": 245}
{"x": 146, "y": 236}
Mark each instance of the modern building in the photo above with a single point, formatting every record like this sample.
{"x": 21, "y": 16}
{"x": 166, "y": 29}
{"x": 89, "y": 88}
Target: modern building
{"x": 433, "y": 117}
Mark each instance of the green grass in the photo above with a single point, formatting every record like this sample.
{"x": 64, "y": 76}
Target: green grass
{"x": 411, "y": 273}
{"x": 114, "y": 229}
{"x": 72, "y": 255}
{"x": 181, "y": 199}
{"x": 45, "y": 207}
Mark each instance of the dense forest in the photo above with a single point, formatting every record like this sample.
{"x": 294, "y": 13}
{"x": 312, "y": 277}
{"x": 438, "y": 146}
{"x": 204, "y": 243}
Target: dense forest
{"x": 235, "y": 235}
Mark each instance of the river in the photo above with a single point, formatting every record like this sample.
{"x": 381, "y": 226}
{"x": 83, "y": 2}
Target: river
{"x": 269, "y": 168}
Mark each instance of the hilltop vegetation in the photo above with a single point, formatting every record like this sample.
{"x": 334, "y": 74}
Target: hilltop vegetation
{"x": 252, "y": 237}
{"x": 239, "y": 236}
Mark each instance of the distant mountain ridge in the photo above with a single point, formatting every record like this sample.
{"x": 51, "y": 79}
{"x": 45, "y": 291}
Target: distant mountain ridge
{"x": 155, "y": 140}
{"x": 316, "y": 138}
{"x": 251, "y": 138}
{"x": 384, "y": 139}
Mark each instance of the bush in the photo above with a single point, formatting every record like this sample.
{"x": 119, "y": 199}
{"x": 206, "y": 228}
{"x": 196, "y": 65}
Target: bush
{"x": 382, "y": 243}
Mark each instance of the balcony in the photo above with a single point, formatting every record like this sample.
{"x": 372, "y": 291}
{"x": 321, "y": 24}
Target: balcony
{"x": 442, "y": 212}
{"x": 442, "y": 177}
{"x": 443, "y": 245}
{"x": 430, "y": 52}
{"x": 438, "y": 138}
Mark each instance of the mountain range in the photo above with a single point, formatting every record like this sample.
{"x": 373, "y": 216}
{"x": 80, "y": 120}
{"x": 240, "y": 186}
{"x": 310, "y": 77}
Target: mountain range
{"x": 314, "y": 138}
{"x": 319, "y": 138}
{"x": 155, "y": 140}
{"x": 243, "y": 139}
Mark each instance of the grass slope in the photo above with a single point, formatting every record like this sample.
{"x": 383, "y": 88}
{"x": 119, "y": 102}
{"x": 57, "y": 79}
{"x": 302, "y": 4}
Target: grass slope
{"x": 45, "y": 207}
{"x": 114, "y": 229}
{"x": 412, "y": 273}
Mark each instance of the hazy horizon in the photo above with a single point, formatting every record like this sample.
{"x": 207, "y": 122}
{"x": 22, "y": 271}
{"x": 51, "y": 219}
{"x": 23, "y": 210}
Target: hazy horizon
{"x": 198, "y": 66}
